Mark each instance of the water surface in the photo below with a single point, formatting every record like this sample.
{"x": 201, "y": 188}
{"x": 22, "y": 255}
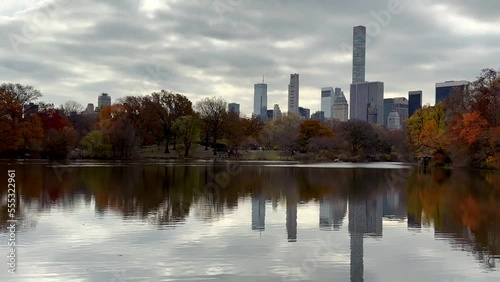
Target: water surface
{"x": 253, "y": 222}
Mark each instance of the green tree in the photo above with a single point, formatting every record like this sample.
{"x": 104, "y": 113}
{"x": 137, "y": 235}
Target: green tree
{"x": 187, "y": 131}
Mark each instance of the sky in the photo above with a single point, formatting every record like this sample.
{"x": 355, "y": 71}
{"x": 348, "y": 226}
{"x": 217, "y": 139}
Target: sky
{"x": 75, "y": 50}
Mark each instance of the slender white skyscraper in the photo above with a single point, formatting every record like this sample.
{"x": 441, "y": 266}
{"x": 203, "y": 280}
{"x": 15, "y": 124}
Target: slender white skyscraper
{"x": 359, "y": 54}
{"x": 293, "y": 94}
{"x": 260, "y": 101}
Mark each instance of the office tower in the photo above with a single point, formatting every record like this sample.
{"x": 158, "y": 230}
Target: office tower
{"x": 319, "y": 115}
{"x": 445, "y": 89}
{"x": 276, "y": 111}
{"x": 104, "y": 100}
{"x": 258, "y": 212}
{"x": 292, "y": 199}
{"x": 327, "y": 96}
{"x": 270, "y": 114}
{"x": 393, "y": 121}
{"x": 367, "y": 101}
{"x": 304, "y": 113}
{"x": 331, "y": 213}
{"x": 234, "y": 108}
{"x": 399, "y": 105}
{"x": 359, "y": 54}
{"x": 340, "y": 108}
{"x": 293, "y": 94}
{"x": 414, "y": 102}
{"x": 90, "y": 109}
{"x": 30, "y": 109}
{"x": 260, "y": 101}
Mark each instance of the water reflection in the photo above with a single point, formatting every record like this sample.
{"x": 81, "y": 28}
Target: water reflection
{"x": 462, "y": 208}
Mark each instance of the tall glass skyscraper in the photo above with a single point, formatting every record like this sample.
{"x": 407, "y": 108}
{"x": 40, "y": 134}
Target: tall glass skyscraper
{"x": 327, "y": 97}
{"x": 260, "y": 101}
{"x": 414, "y": 102}
{"x": 359, "y": 54}
{"x": 445, "y": 89}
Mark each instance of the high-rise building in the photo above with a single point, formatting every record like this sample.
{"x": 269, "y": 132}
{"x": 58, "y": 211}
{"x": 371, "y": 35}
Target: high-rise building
{"x": 393, "y": 121}
{"x": 414, "y": 102}
{"x": 104, "y": 100}
{"x": 304, "y": 113}
{"x": 359, "y": 54}
{"x": 340, "y": 108}
{"x": 319, "y": 115}
{"x": 234, "y": 108}
{"x": 399, "y": 105}
{"x": 270, "y": 114}
{"x": 293, "y": 94}
{"x": 327, "y": 96}
{"x": 30, "y": 109}
{"x": 90, "y": 109}
{"x": 367, "y": 101}
{"x": 260, "y": 101}
{"x": 276, "y": 111}
{"x": 444, "y": 89}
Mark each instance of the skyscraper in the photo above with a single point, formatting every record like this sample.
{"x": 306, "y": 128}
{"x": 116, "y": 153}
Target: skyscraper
{"x": 304, "y": 113}
{"x": 393, "y": 121}
{"x": 327, "y": 96}
{"x": 367, "y": 101}
{"x": 414, "y": 102}
{"x": 444, "y": 89}
{"x": 340, "y": 108}
{"x": 399, "y": 105}
{"x": 258, "y": 212}
{"x": 104, "y": 100}
{"x": 293, "y": 94}
{"x": 233, "y": 108}
{"x": 276, "y": 111}
{"x": 260, "y": 101}
{"x": 359, "y": 54}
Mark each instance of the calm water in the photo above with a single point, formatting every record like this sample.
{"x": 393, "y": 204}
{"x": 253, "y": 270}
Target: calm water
{"x": 252, "y": 222}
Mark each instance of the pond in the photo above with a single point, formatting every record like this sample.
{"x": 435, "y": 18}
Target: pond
{"x": 224, "y": 221}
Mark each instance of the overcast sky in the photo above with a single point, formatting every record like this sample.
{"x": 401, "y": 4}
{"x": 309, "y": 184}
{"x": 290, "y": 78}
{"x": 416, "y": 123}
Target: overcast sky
{"x": 73, "y": 49}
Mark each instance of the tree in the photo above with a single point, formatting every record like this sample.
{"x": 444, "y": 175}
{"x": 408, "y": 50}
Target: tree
{"x": 168, "y": 108}
{"x": 95, "y": 145}
{"x": 359, "y": 136}
{"x": 71, "y": 108}
{"x": 311, "y": 129}
{"x": 284, "y": 131}
{"x": 187, "y": 130}
{"x": 24, "y": 94}
{"x": 10, "y": 118}
{"x": 213, "y": 113}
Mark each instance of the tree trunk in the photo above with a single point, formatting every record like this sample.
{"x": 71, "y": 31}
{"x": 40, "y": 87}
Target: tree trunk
{"x": 175, "y": 142}
{"x": 215, "y": 145}
{"x": 166, "y": 145}
{"x": 186, "y": 151}
{"x": 206, "y": 141}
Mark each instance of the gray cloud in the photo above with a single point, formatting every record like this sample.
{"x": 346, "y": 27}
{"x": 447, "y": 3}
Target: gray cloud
{"x": 221, "y": 47}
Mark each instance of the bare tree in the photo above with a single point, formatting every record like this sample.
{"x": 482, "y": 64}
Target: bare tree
{"x": 213, "y": 114}
{"x": 71, "y": 107}
{"x": 24, "y": 94}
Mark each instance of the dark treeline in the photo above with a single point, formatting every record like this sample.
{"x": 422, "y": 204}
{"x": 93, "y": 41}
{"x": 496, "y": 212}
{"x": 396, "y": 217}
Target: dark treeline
{"x": 462, "y": 131}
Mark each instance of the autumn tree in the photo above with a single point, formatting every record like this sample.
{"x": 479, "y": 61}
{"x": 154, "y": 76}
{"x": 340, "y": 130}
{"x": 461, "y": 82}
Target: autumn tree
{"x": 213, "y": 114}
{"x": 359, "y": 136}
{"x": 23, "y": 94}
{"x": 168, "y": 108}
{"x": 313, "y": 129}
{"x": 187, "y": 130}
{"x": 71, "y": 108}
{"x": 283, "y": 133}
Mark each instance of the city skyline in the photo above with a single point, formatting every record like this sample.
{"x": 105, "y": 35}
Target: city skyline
{"x": 142, "y": 58}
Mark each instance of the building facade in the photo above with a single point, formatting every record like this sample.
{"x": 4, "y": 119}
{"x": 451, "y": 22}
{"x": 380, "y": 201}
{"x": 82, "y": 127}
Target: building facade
{"x": 276, "y": 111}
{"x": 340, "y": 108}
{"x": 444, "y": 89}
{"x": 319, "y": 115}
{"x": 359, "y": 54}
{"x": 327, "y": 96}
{"x": 399, "y": 105}
{"x": 367, "y": 102}
{"x": 304, "y": 113}
{"x": 293, "y": 94}
{"x": 260, "y": 101}
{"x": 393, "y": 121}
{"x": 234, "y": 108}
{"x": 104, "y": 100}
{"x": 414, "y": 102}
